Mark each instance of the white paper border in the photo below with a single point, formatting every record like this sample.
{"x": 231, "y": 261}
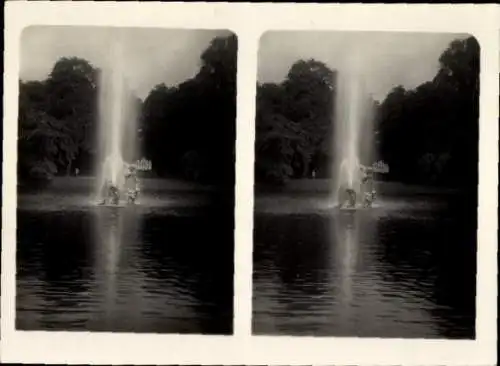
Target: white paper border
{"x": 249, "y": 21}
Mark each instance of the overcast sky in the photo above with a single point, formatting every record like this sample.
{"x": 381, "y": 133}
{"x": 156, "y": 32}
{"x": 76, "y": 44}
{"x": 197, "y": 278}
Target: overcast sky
{"x": 388, "y": 59}
{"x": 152, "y": 56}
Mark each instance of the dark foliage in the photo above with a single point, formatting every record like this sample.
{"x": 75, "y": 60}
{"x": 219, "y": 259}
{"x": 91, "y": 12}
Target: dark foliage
{"x": 188, "y": 131}
{"x": 428, "y": 135}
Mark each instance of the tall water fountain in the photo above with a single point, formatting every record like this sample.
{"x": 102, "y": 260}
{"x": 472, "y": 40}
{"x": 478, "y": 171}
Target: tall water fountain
{"x": 117, "y": 132}
{"x": 353, "y": 146}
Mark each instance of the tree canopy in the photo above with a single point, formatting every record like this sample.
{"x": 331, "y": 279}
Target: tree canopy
{"x": 57, "y": 119}
{"x": 293, "y": 118}
{"x": 188, "y": 130}
{"x": 428, "y": 135}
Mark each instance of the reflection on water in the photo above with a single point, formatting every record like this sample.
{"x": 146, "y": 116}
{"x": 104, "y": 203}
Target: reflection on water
{"x": 347, "y": 236}
{"x": 364, "y": 273}
{"x": 118, "y": 269}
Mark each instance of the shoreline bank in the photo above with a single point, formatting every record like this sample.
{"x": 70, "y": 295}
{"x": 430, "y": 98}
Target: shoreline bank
{"x": 324, "y": 186}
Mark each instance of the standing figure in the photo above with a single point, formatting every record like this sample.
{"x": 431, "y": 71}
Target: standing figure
{"x": 114, "y": 194}
{"x": 369, "y": 197}
{"x": 367, "y": 181}
{"x": 109, "y": 193}
{"x": 351, "y": 198}
{"x": 350, "y": 184}
{"x": 132, "y": 184}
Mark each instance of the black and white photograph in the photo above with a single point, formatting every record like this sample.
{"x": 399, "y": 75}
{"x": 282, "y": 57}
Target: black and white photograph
{"x": 189, "y": 183}
{"x": 125, "y": 216}
{"x": 366, "y": 181}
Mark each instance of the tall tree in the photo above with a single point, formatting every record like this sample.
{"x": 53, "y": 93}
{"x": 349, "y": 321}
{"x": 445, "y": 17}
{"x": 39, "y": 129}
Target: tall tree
{"x": 72, "y": 91}
{"x": 430, "y": 134}
{"x": 189, "y": 129}
{"x": 44, "y": 143}
{"x": 294, "y": 122}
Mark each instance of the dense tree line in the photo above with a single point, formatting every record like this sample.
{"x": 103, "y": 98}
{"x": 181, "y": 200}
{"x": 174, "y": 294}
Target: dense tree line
{"x": 428, "y": 135}
{"x": 188, "y": 131}
{"x": 431, "y": 134}
{"x": 293, "y": 122}
{"x": 57, "y": 119}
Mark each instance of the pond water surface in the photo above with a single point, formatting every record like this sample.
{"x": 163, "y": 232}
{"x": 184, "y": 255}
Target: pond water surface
{"x": 165, "y": 266}
{"x": 405, "y": 268}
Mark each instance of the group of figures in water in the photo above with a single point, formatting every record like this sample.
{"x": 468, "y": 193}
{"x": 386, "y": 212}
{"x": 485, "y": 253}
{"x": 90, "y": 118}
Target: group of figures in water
{"x": 356, "y": 191}
{"x": 350, "y": 193}
{"x": 112, "y": 191}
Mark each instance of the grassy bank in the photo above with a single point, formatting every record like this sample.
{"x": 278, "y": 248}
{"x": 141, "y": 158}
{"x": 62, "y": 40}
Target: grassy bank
{"x": 322, "y": 186}
{"x": 298, "y": 186}
{"x": 88, "y": 184}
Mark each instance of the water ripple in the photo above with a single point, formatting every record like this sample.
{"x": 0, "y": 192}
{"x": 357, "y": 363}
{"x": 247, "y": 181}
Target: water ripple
{"x": 136, "y": 269}
{"x": 374, "y": 273}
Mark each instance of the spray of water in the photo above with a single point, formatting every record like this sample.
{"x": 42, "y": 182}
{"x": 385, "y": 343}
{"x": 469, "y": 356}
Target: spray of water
{"x": 117, "y": 132}
{"x": 353, "y": 129}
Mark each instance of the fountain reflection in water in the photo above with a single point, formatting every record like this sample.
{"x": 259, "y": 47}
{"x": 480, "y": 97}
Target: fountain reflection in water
{"x": 347, "y": 237}
{"x": 353, "y": 131}
{"x": 350, "y": 231}
{"x": 116, "y": 232}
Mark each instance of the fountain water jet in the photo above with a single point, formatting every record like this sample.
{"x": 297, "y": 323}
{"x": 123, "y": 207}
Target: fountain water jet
{"x": 353, "y": 136}
{"x": 117, "y": 132}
